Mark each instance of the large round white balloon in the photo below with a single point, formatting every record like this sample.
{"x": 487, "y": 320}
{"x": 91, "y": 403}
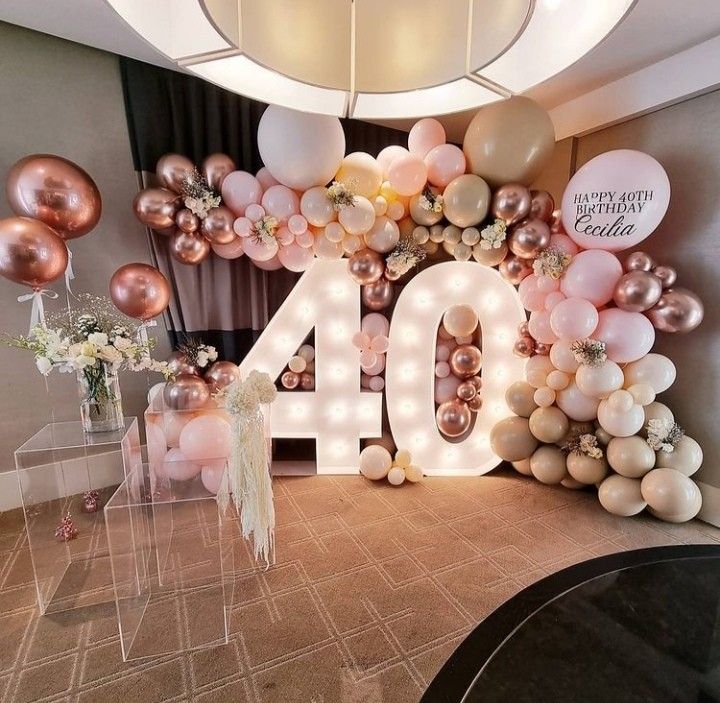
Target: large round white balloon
{"x": 615, "y": 200}
{"x": 301, "y": 150}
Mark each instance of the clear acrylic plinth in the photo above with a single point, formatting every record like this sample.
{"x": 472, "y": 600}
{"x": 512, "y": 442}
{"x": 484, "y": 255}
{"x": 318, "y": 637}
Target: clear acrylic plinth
{"x": 171, "y": 548}
{"x": 55, "y": 468}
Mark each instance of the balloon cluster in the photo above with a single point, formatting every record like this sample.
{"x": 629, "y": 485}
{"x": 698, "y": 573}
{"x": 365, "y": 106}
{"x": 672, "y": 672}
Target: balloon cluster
{"x": 376, "y": 463}
{"x": 300, "y": 372}
{"x": 55, "y": 200}
{"x": 458, "y": 361}
{"x": 372, "y": 341}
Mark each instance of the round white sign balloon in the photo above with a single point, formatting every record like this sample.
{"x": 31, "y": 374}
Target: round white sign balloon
{"x": 615, "y": 200}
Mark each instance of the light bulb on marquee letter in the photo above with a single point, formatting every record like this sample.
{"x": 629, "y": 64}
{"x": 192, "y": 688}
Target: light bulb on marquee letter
{"x": 498, "y": 307}
{"x": 337, "y": 413}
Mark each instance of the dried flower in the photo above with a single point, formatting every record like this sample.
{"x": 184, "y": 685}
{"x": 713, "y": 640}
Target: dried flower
{"x": 264, "y": 230}
{"x": 405, "y": 256}
{"x": 589, "y": 352}
{"x": 263, "y": 385}
{"x": 66, "y": 531}
{"x": 197, "y": 352}
{"x": 430, "y": 201}
{"x": 663, "y": 434}
{"x": 245, "y": 397}
{"x": 551, "y": 262}
{"x": 199, "y": 198}
{"x": 340, "y": 195}
{"x": 493, "y": 236}
{"x": 586, "y": 444}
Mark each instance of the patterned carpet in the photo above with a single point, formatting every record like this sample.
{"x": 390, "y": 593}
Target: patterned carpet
{"x": 373, "y": 589}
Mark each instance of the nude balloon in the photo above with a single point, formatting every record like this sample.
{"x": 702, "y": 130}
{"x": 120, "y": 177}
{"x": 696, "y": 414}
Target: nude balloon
{"x": 281, "y": 202}
{"x": 592, "y": 275}
{"x": 240, "y": 189}
{"x": 599, "y": 381}
{"x": 359, "y": 217}
{"x": 444, "y": 163}
{"x": 621, "y": 496}
{"x": 671, "y": 495}
{"x": 178, "y": 466}
{"x": 620, "y": 423}
{"x": 205, "y": 437}
{"x": 408, "y": 174}
{"x": 628, "y": 336}
{"x": 425, "y": 135}
{"x": 654, "y": 370}
{"x": 575, "y": 318}
{"x": 575, "y": 404}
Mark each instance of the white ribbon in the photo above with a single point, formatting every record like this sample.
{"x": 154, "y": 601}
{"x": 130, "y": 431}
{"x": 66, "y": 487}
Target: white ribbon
{"x": 69, "y": 273}
{"x": 142, "y": 331}
{"x": 37, "y": 314}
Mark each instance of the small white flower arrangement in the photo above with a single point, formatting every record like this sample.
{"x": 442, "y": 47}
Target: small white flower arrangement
{"x": 197, "y": 353}
{"x": 551, "y": 262}
{"x": 432, "y": 202}
{"x": 264, "y": 230}
{"x": 493, "y": 236}
{"x": 340, "y": 195}
{"x": 199, "y": 197}
{"x": 245, "y": 397}
{"x": 663, "y": 434}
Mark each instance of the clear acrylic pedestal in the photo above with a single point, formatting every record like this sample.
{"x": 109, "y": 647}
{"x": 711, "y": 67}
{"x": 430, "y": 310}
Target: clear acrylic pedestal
{"x": 55, "y": 468}
{"x": 171, "y": 549}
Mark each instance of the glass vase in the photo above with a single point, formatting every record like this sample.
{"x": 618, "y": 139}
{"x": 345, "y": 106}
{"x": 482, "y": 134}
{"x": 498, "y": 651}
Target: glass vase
{"x": 100, "y": 399}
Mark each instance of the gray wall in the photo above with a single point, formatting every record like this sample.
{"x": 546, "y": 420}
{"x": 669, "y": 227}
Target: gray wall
{"x": 62, "y": 98}
{"x": 685, "y": 139}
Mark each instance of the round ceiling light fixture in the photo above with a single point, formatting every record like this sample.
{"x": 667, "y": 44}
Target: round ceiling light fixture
{"x": 373, "y": 59}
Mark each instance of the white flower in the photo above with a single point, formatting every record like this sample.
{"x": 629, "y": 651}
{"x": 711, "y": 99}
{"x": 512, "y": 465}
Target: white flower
{"x": 493, "y": 236}
{"x": 74, "y": 350}
{"x": 44, "y": 365}
{"x": 80, "y": 362}
{"x": 99, "y": 339}
{"x": 110, "y": 354}
{"x": 202, "y": 359}
{"x": 212, "y": 353}
{"x": 122, "y": 343}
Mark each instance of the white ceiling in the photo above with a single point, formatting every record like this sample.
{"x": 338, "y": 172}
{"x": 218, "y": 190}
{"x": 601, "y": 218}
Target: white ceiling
{"x": 653, "y": 30}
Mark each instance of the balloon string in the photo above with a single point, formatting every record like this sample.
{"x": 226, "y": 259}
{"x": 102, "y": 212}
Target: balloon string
{"x": 69, "y": 276}
{"x": 142, "y": 331}
{"x": 37, "y": 313}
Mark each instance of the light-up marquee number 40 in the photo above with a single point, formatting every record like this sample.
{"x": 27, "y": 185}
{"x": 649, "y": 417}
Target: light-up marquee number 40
{"x": 338, "y": 413}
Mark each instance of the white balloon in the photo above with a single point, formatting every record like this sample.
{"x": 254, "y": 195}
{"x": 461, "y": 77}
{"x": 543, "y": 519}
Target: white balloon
{"x": 575, "y": 404}
{"x": 599, "y": 381}
{"x": 672, "y": 496}
{"x": 375, "y": 462}
{"x": 620, "y": 423}
{"x": 301, "y": 150}
{"x": 396, "y": 476}
{"x": 621, "y": 496}
{"x": 654, "y": 369}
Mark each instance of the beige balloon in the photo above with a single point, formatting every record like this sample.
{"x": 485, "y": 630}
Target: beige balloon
{"x": 421, "y": 215}
{"x": 509, "y": 141}
{"x": 375, "y": 462}
{"x": 537, "y": 369}
{"x": 489, "y": 257}
{"x": 522, "y": 467}
{"x": 460, "y": 320}
{"x": 572, "y": 484}
{"x": 654, "y": 369}
{"x": 620, "y": 423}
{"x": 520, "y": 398}
{"x": 686, "y": 457}
{"x": 466, "y": 200}
{"x": 512, "y": 440}
{"x": 361, "y": 173}
{"x": 602, "y": 436}
{"x": 587, "y": 469}
{"x": 631, "y": 457}
{"x": 621, "y": 496}
{"x": 672, "y": 496}
{"x": 413, "y": 473}
{"x": 599, "y": 381}
{"x": 548, "y": 465}
{"x": 549, "y": 424}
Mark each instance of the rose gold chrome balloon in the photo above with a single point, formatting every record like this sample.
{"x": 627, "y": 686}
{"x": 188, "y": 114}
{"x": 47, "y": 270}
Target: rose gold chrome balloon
{"x": 666, "y": 274}
{"x": 453, "y": 418}
{"x": 465, "y": 360}
{"x": 529, "y": 238}
{"x": 172, "y": 169}
{"x": 307, "y": 381}
{"x": 556, "y": 225}
{"x": 524, "y": 329}
{"x": 179, "y": 364}
{"x": 678, "y": 310}
{"x": 215, "y": 168}
{"x": 511, "y": 203}
{"x": 524, "y": 346}
{"x": 514, "y": 269}
{"x": 30, "y": 252}
{"x": 155, "y": 207}
{"x": 476, "y": 381}
{"x": 189, "y": 247}
{"x": 542, "y": 206}
{"x": 290, "y": 380}
{"x": 221, "y": 374}
{"x": 217, "y": 227}
{"x": 475, "y": 404}
{"x": 186, "y": 392}
{"x": 140, "y": 291}
{"x": 378, "y": 295}
{"x": 542, "y": 349}
{"x": 637, "y": 291}
{"x": 466, "y": 391}
{"x": 366, "y": 266}
{"x": 187, "y": 221}
{"x": 639, "y": 261}
{"x": 55, "y": 191}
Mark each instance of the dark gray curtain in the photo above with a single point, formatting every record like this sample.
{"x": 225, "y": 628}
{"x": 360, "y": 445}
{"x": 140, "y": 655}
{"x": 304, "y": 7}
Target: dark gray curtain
{"x": 227, "y": 303}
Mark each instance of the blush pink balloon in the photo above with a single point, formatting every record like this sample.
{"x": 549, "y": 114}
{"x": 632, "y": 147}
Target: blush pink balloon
{"x": 442, "y": 369}
{"x": 446, "y": 388}
{"x": 269, "y": 265}
{"x": 297, "y": 224}
{"x": 254, "y": 212}
{"x": 564, "y": 244}
{"x": 408, "y": 174}
{"x": 284, "y": 236}
{"x": 425, "y": 135}
{"x": 574, "y": 318}
{"x": 294, "y": 257}
{"x": 259, "y": 251}
{"x": 316, "y": 207}
{"x": 242, "y": 227}
{"x": 545, "y": 284}
{"x": 305, "y": 239}
{"x": 377, "y": 367}
{"x": 156, "y": 443}
{"x": 388, "y": 155}
{"x": 628, "y": 336}
{"x": 240, "y": 189}
{"x": 442, "y": 351}
{"x": 211, "y": 476}
{"x": 592, "y": 275}
{"x": 177, "y": 466}
{"x": 552, "y": 299}
{"x": 281, "y": 202}
{"x": 444, "y": 163}
{"x": 375, "y": 324}
{"x": 531, "y": 297}
{"x": 234, "y": 250}
{"x": 205, "y": 437}
{"x": 265, "y": 178}
{"x": 540, "y": 329}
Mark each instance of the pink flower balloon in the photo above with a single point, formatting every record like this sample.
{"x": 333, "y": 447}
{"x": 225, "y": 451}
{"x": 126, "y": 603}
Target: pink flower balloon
{"x": 408, "y": 174}
{"x": 592, "y": 275}
{"x": 628, "y": 336}
{"x": 615, "y": 200}
{"x": 574, "y": 318}
{"x": 294, "y": 257}
{"x": 205, "y": 437}
{"x": 539, "y": 326}
{"x": 425, "y": 135}
{"x": 444, "y": 163}
{"x": 234, "y": 250}
{"x": 240, "y": 189}
{"x": 281, "y": 202}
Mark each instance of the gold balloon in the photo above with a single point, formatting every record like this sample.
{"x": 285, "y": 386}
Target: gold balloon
{"x": 466, "y": 200}
{"x": 55, "y": 191}
{"x": 366, "y": 266}
{"x": 453, "y": 418}
{"x": 378, "y": 295}
{"x": 509, "y": 141}
{"x": 465, "y": 360}
{"x": 512, "y": 440}
{"x": 221, "y": 374}
{"x": 217, "y": 227}
{"x": 513, "y": 269}
{"x": 542, "y": 206}
{"x": 678, "y": 310}
{"x": 215, "y": 168}
{"x": 30, "y": 252}
{"x": 139, "y": 291}
{"x": 189, "y": 247}
{"x": 549, "y": 424}
{"x": 186, "y": 392}
{"x": 529, "y": 238}
{"x": 637, "y": 291}
{"x": 179, "y": 364}
{"x": 511, "y": 203}
{"x": 155, "y": 207}
{"x": 172, "y": 169}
